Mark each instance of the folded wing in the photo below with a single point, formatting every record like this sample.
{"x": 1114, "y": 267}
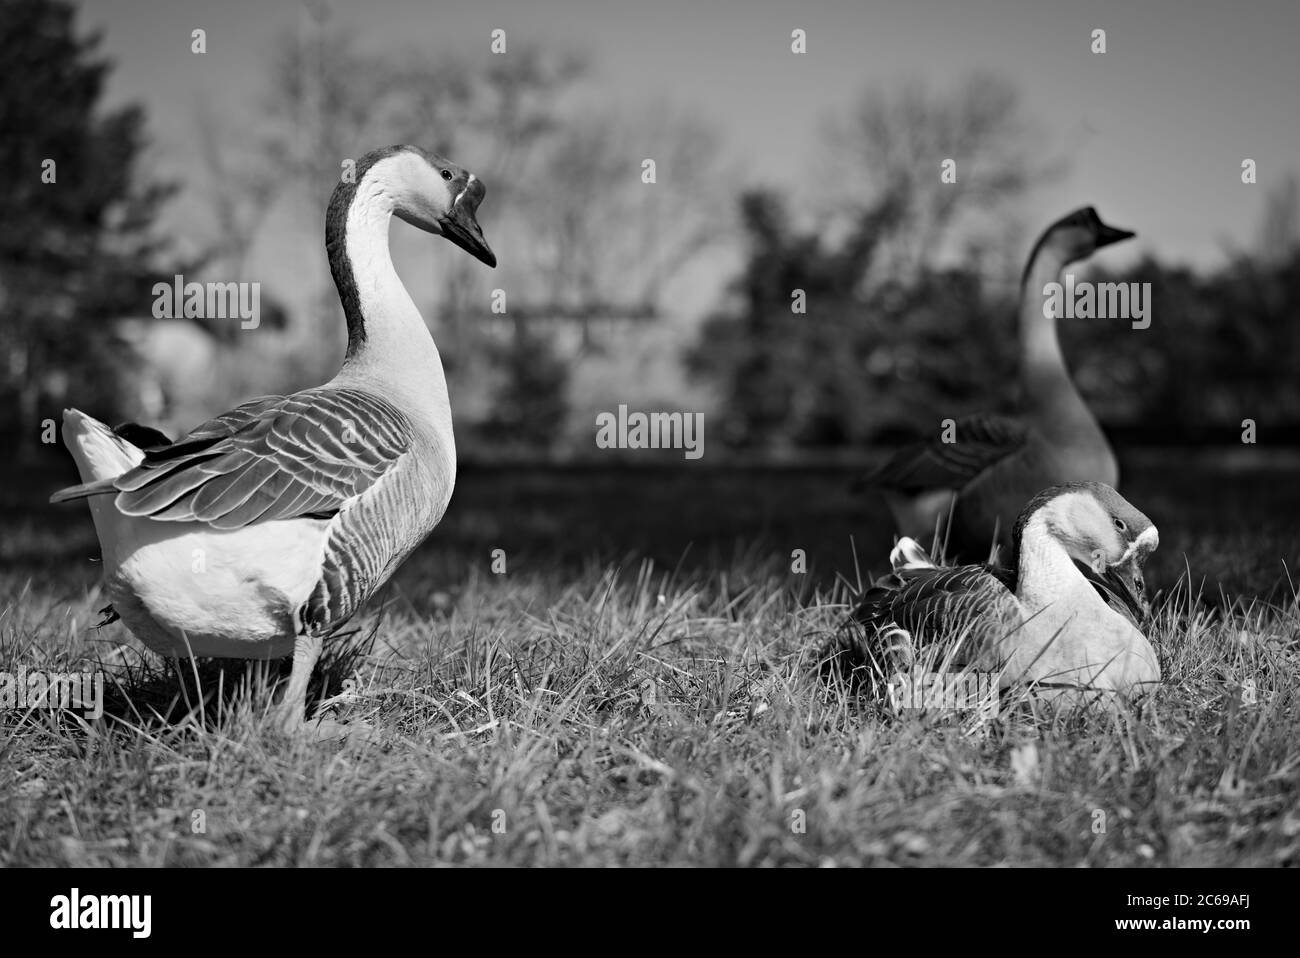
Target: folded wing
{"x": 278, "y": 457}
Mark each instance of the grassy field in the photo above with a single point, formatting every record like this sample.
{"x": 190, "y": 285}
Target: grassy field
{"x": 639, "y": 687}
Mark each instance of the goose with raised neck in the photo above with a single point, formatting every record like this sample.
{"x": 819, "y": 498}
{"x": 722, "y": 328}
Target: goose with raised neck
{"x": 998, "y": 462}
{"x": 298, "y": 506}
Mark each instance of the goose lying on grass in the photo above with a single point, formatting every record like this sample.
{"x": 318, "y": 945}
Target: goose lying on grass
{"x": 1043, "y": 622}
{"x": 263, "y": 530}
{"x": 997, "y": 463}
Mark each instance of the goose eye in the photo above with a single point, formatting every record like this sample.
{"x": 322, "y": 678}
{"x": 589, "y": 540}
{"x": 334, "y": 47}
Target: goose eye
{"x": 446, "y": 174}
{"x": 1120, "y": 525}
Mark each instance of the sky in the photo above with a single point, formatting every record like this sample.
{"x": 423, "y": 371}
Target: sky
{"x": 1155, "y": 128}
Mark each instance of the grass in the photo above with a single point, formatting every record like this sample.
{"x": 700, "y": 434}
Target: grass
{"x": 598, "y": 705}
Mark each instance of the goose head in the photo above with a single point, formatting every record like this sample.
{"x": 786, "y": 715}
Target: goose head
{"x": 1079, "y": 234}
{"x": 1095, "y": 525}
{"x": 436, "y": 195}
{"x": 424, "y": 189}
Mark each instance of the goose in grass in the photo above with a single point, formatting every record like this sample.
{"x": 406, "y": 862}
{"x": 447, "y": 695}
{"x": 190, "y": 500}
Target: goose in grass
{"x": 997, "y": 463}
{"x": 1042, "y": 621}
{"x": 259, "y": 533}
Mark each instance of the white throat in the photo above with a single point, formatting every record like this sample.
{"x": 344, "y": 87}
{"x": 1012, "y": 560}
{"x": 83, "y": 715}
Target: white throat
{"x": 397, "y": 358}
{"x": 1047, "y": 575}
{"x": 1051, "y": 400}
{"x": 1040, "y": 347}
{"x": 1070, "y": 634}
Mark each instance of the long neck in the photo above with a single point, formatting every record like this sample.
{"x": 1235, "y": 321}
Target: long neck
{"x": 1046, "y": 575}
{"x": 390, "y": 350}
{"x": 1070, "y": 635}
{"x": 1050, "y": 394}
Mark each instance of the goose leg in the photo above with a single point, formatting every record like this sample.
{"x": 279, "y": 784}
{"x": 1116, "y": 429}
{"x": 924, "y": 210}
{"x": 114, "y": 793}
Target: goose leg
{"x": 306, "y": 651}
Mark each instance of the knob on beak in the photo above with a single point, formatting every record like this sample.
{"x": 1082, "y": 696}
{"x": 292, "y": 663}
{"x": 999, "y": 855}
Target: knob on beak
{"x": 461, "y": 226}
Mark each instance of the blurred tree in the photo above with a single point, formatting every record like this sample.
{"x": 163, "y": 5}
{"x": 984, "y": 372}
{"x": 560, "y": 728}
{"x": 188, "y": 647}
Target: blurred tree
{"x": 877, "y": 363}
{"x": 1222, "y": 347}
{"x": 893, "y": 142}
{"x": 889, "y": 336}
{"x": 609, "y": 247}
{"x": 1279, "y": 229}
{"x": 857, "y": 365}
{"x": 530, "y": 403}
{"x": 78, "y": 247}
{"x": 599, "y": 243}
{"x": 240, "y": 189}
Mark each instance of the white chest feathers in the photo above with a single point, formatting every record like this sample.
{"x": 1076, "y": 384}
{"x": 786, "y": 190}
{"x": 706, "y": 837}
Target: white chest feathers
{"x": 185, "y": 588}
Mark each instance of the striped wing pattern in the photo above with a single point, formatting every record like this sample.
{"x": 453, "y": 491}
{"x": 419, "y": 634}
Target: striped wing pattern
{"x": 982, "y": 441}
{"x": 932, "y": 605}
{"x": 366, "y": 544}
{"x": 277, "y": 457}
{"x": 942, "y": 603}
{"x": 920, "y": 600}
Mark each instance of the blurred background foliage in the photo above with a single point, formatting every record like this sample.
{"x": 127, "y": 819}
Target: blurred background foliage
{"x": 880, "y": 364}
{"x": 910, "y": 286}
{"x": 80, "y": 247}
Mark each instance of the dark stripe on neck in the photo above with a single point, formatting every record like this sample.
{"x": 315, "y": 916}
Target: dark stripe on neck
{"x": 1018, "y": 530}
{"x": 1033, "y": 505}
{"x": 1033, "y": 255}
{"x": 336, "y": 246}
{"x": 1083, "y": 218}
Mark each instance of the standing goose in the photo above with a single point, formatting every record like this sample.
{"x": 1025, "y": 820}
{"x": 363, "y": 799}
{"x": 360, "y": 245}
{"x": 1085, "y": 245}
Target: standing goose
{"x": 263, "y": 530}
{"x": 998, "y": 463}
{"x": 1043, "y": 621}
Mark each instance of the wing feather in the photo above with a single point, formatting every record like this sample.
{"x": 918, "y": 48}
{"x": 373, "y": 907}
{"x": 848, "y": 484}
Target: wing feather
{"x": 271, "y": 458}
{"x": 933, "y": 605}
{"x": 981, "y": 442}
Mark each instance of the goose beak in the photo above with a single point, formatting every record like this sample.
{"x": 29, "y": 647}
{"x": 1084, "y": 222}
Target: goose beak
{"x": 460, "y": 226}
{"x": 1128, "y": 569}
{"x": 1106, "y": 235}
{"x": 1128, "y": 578}
{"x": 1141, "y": 547}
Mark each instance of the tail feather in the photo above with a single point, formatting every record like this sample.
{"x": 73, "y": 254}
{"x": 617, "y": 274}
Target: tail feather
{"x": 907, "y": 554}
{"x": 100, "y": 487}
{"x": 101, "y": 455}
